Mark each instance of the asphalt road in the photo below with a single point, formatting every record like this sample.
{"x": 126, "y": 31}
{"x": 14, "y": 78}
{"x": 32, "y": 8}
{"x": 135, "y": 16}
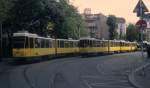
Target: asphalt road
{"x": 94, "y": 72}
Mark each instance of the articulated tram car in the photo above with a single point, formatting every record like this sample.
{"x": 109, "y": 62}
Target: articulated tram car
{"x": 30, "y": 45}
{"x": 66, "y": 47}
{"x": 27, "y": 45}
{"x": 90, "y": 46}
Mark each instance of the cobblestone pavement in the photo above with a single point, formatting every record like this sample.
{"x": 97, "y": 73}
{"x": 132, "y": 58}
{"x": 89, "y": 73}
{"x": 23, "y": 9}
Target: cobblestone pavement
{"x": 95, "y": 72}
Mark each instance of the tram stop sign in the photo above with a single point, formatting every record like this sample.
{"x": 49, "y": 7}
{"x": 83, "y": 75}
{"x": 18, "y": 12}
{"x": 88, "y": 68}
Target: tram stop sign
{"x": 141, "y": 23}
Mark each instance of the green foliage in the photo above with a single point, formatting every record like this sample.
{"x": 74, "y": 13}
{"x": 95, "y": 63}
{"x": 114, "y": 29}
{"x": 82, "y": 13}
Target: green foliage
{"x": 67, "y": 20}
{"x": 112, "y": 23}
{"x": 36, "y": 16}
{"x": 5, "y": 5}
{"x": 132, "y": 33}
{"x": 27, "y": 15}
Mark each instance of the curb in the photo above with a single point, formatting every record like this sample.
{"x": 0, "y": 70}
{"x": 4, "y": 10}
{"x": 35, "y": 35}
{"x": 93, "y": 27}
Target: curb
{"x": 131, "y": 76}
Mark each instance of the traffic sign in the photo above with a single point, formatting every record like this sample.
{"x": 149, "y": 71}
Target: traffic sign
{"x": 140, "y": 9}
{"x": 141, "y": 23}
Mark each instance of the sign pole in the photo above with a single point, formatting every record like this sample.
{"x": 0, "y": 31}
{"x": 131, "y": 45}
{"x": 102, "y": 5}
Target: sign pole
{"x": 142, "y": 38}
{"x": 140, "y": 9}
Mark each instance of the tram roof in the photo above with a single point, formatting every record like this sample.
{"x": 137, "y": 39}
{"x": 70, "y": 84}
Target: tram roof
{"x": 26, "y": 34}
{"x": 86, "y": 38}
{"x": 65, "y": 40}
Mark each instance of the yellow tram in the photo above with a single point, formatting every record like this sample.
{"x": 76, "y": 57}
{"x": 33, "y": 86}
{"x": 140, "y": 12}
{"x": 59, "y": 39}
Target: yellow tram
{"x": 31, "y": 45}
{"x": 95, "y": 46}
{"x": 28, "y": 45}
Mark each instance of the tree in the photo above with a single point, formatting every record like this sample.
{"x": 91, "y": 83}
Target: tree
{"x": 132, "y": 33}
{"x": 112, "y": 23}
{"x": 35, "y": 15}
{"x": 67, "y": 20}
{"x": 5, "y": 5}
{"x": 27, "y": 15}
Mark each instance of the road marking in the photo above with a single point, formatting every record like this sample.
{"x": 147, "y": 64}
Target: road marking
{"x": 32, "y": 85}
{"x": 87, "y": 84}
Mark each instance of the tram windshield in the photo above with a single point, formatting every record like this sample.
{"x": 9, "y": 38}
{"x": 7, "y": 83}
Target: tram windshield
{"x": 18, "y": 42}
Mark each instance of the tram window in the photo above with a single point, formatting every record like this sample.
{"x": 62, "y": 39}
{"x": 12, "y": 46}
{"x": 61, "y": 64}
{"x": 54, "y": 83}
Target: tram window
{"x": 86, "y": 43}
{"x": 97, "y": 43}
{"x": 90, "y": 43}
{"x": 116, "y": 44}
{"x": 105, "y": 43}
{"x": 75, "y": 44}
{"x": 94, "y": 43}
{"x": 66, "y": 44}
{"x": 58, "y": 43}
{"x": 61, "y": 44}
{"x": 26, "y": 42}
{"x": 53, "y": 43}
{"x": 100, "y": 43}
{"x": 121, "y": 44}
{"x": 112, "y": 44}
{"x": 18, "y": 42}
{"x": 37, "y": 43}
{"x": 31, "y": 42}
{"x": 50, "y": 44}
{"x": 47, "y": 43}
{"x": 42, "y": 43}
{"x": 81, "y": 43}
{"x": 71, "y": 44}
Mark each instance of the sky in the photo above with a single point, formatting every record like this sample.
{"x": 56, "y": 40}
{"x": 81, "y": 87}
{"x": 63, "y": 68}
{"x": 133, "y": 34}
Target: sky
{"x": 120, "y": 8}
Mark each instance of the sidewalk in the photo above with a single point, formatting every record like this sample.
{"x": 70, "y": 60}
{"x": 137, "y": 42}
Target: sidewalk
{"x": 140, "y": 77}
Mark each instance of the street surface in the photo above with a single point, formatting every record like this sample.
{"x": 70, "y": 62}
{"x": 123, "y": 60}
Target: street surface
{"x": 142, "y": 76}
{"x": 95, "y": 72}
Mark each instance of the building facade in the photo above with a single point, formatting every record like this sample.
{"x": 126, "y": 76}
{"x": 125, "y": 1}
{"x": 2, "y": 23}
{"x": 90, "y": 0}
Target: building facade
{"x": 121, "y": 28}
{"x": 96, "y": 24}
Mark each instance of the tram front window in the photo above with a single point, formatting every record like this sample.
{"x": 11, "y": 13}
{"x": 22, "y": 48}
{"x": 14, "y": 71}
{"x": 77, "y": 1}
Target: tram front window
{"x": 18, "y": 42}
